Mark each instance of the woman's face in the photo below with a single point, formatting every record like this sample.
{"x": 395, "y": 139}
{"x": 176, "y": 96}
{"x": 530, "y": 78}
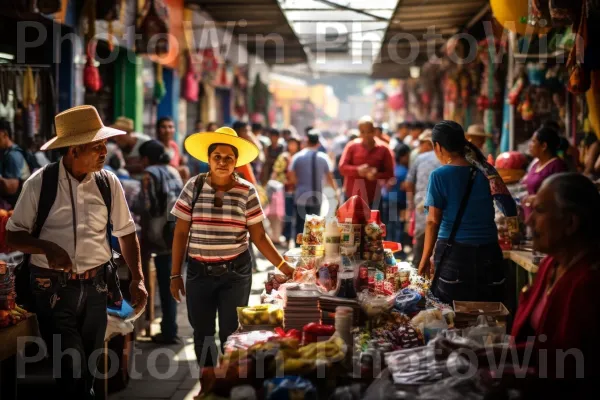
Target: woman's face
{"x": 222, "y": 161}
{"x": 547, "y": 224}
{"x": 536, "y": 148}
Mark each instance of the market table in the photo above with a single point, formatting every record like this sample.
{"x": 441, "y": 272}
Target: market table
{"x": 8, "y": 354}
{"x": 523, "y": 274}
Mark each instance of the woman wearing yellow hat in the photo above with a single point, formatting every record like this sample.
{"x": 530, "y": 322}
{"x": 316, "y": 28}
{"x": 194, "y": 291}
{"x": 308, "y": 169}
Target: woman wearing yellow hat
{"x": 216, "y": 212}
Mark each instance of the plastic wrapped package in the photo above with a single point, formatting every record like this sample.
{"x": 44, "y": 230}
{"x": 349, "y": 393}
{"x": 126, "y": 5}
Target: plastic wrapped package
{"x": 263, "y": 314}
{"x": 328, "y": 276}
{"x": 428, "y": 364}
{"x": 274, "y": 280}
{"x": 374, "y": 304}
{"x": 314, "y": 227}
{"x": 289, "y": 388}
{"x": 244, "y": 340}
{"x": 409, "y": 301}
{"x": 486, "y": 332}
{"x": 430, "y": 322}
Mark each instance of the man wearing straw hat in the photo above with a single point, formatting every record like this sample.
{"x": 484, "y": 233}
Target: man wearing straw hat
{"x": 69, "y": 248}
{"x": 477, "y": 135}
{"x": 130, "y": 144}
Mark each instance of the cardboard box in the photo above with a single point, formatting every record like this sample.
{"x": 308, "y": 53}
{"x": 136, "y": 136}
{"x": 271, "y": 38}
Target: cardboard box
{"x": 468, "y": 311}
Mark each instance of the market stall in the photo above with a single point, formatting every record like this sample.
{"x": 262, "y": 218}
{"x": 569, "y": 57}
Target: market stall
{"x": 350, "y": 311}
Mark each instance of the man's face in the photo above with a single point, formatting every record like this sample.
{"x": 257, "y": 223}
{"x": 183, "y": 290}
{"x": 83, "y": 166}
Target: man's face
{"x": 4, "y": 140}
{"x": 367, "y": 132}
{"x": 478, "y": 141}
{"x": 166, "y": 131}
{"x": 548, "y": 226}
{"x": 90, "y": 157}
{"x": 125, "y": 142}
{"x": 402, "y": 132}
{"x": 425, "y": 146}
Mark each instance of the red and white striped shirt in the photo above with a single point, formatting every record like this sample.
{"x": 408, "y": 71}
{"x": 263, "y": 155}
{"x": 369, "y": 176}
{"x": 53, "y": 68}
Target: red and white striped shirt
{"x": 219, "y": 234}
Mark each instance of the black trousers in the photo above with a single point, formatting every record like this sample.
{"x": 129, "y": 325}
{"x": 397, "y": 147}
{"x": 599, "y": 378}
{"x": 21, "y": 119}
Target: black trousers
{"x": 72, "y": 320}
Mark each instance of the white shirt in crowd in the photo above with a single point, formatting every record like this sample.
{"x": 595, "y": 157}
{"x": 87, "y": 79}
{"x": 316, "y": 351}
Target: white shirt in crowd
{"x": 92, "y": 249}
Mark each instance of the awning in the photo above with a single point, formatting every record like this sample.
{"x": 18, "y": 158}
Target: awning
{"x": 254, "y": 21}
{"x": 408, "y": 40}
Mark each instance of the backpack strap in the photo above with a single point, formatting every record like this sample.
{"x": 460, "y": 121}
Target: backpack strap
{"x": 47, "y": 196}
{"x": 103, "y": 183}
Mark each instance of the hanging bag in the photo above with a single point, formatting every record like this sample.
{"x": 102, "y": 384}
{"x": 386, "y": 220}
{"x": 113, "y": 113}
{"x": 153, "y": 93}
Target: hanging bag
{"x": 580, "y": 79}
{"x": 455, "y": 226}
{"x": 191, "y": 87}
{"x": 153, "y": 21}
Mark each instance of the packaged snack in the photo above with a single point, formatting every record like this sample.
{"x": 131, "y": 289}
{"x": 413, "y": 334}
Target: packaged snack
{"x": 314, "y": 227}
{"x": 346, "y": 285}
{"x": 274, "y": 280}
{"x": 244, "y": 340}
{"x": 288, "y": 388}
{"x": 264, "y": 314}
{"x": 327, "y": 276}
{"x": 375, "y": 304}
{"x": 347, "y": 234}
{"x": 373, "y": 242}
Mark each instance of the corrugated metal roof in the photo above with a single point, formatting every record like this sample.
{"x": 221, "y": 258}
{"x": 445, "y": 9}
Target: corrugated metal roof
{"x": 408, "y": 40}
{"x": 254, "y": 21}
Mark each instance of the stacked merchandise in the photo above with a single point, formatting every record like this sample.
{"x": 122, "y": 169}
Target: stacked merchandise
{"x": 300, "y": 307}
{"x": 329, "y": 304}
{"x": 312, "y": 238}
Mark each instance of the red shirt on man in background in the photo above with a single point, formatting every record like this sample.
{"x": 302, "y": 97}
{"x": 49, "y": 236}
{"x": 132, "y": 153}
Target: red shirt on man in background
{"x": 366, "y": 161}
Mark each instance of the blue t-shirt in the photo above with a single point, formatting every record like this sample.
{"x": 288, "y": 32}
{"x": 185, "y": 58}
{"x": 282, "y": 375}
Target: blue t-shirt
{"x": 394, "y": 193}
{"x": 447, "y": 186}
{"x": 302, "y": 165}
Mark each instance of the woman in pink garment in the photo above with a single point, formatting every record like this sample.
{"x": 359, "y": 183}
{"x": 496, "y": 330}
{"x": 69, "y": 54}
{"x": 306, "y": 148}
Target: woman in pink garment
{"x": 544, "y": 146}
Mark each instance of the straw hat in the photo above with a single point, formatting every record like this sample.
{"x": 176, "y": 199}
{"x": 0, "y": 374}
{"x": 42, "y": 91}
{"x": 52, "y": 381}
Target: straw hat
{"x": 477, "y": 130}
{"x": 198, "y": 143}
{"x": 79, "y": 125}
{"x": 124, "y": 124}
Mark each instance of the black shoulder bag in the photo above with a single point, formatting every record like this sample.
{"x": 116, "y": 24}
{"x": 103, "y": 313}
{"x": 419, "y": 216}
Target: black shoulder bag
{"x": 456, "y": 225}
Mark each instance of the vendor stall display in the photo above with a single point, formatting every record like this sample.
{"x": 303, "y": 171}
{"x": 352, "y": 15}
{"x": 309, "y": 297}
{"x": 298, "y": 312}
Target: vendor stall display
{"x": 300, "y": 308}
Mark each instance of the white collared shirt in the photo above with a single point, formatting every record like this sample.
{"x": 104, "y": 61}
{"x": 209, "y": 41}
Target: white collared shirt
{"x": 91, "y": 216}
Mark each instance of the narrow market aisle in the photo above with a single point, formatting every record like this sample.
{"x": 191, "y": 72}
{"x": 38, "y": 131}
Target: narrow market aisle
{"x": 171, "y": 372}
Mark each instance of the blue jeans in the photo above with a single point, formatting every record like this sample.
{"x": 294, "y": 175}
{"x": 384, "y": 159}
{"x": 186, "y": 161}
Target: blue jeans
{"x": 390, "y": 216}
{"x": 71, "y": 314}
{"x": 288, "y": 230}
{"x": 205, "y": 296}
{"x": 168, "y": 305}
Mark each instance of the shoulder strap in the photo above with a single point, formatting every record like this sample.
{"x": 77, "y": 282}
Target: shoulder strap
{"x": 47, "y": 196}
{"x": 463, "y": 206}
{"x": 314, "y": 174}
{"x": 198, "y": 185}
{"x": 103, "y": 184}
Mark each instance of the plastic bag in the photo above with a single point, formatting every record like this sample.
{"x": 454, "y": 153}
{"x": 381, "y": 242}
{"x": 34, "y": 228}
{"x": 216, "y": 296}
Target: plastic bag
{"x": 327, "y": 275}
{"x": 244, "y": 340}
{"x": 117, "y": 325}
{"x": 486, "y": 333}
{"x": 430, "y": 322}
{"x": 289, "y": 388}
{"x": 374, "y": 304}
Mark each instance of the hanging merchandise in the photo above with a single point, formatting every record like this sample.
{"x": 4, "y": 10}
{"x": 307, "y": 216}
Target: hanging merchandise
{"x": 191, "y": 81}
{"x": 240, "y": 91}
{"x": 260, "y": 96}
{"x": 91, "y": 75}
{"x": 159, "y": 85}
{"x": 108, "y": 10}
{"x": 48, "y": 6}
{"x": 513, "y": 15}
{"x": 154, "y": 22}
{"x": 579, "y": 74}
{"x": 210, "y": 65}
{"x": 565, "y": 12}
{"x": 526, "y": 109}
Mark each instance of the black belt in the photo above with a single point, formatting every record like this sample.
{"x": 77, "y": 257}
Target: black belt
{"x": 219, "y": 268}
{"x": 88, "y": 275}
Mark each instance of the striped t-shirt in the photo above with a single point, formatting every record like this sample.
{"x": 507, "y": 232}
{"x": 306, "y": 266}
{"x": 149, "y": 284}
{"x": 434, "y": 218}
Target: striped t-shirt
{"x": 219, "y": 234}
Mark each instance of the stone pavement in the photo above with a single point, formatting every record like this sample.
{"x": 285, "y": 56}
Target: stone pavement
{"x": 171, "y": 372}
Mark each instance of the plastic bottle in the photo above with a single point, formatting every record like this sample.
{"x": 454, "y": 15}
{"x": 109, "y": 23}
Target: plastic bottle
{"x": 332, "y": 237}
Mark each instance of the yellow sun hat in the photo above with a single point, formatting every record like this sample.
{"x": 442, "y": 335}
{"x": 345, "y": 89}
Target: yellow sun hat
{"x": 197, "y": 145}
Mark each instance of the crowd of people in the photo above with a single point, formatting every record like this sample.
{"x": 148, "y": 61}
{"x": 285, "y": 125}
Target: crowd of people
{"x": 203, "y": 207}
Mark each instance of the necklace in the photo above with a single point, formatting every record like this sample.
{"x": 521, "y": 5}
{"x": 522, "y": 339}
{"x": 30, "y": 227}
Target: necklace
{"x": 449, "y": 161}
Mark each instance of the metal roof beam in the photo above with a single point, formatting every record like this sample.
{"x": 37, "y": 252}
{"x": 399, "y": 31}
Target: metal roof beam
{"x": 346, "y": 8}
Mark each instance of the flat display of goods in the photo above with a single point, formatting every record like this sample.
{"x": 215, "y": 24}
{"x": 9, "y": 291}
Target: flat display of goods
{"x": 468, "y": 311}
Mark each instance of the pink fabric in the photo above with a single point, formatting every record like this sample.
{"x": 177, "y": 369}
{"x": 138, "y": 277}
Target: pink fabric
{"x": 533, "y": 180}
{"x": 276, "y": 207}
{"x": 174, "y": 153}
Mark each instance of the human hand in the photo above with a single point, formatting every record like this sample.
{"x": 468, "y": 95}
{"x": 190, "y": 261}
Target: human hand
{"x": 372, "y": 173}
{"x": 424, "y": 268}
{"x": 58, "y": 258}
{"x": 363, "y": 170}
{"x": 177, "y": 288}
{"x": 139, "y": 294}
{"x": 287, "y": 269}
